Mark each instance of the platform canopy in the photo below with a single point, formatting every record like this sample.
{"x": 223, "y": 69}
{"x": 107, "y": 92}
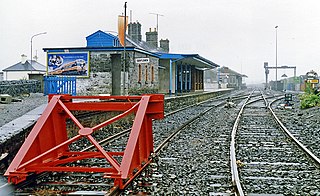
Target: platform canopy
{"x": 191, "y": 59}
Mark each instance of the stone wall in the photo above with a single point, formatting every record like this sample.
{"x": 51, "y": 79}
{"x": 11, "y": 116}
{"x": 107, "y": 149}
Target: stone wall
{"x": 100, "y": 80}
{"x": 12, "y": 146}
{"x": 98, "y": 83}
{"x": 18, "y": 87}
{"x": 144, "y": 77}
{"x": 174, "y": 103}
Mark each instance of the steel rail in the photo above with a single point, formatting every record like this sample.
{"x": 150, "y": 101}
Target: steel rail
{"x": 234, "y": 167}
{"x": 233, "y": 161}
{"x": 177, "y": 130}
{"x": 291, "y": 136}
{"x": 115, "y": 190}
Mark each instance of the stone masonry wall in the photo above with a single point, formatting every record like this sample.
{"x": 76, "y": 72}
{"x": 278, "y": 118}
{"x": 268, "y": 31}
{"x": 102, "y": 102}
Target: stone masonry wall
{"x": 18, "y": 87}
{"x": 144, "y": 77}
{"x": 100, "y": 80}
{"x": 174, "y": 103}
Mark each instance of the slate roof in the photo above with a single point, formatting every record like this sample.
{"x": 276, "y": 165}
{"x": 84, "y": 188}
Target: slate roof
{"x": 143, "y": 45}
{"x": 227, "y": 70}
{"x": 26, "y": 66}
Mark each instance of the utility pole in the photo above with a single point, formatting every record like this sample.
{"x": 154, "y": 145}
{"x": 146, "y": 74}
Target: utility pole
{"x": 124, "y": 49}
{"x": 276, "y": 27}
{"x": 157, "y": 14}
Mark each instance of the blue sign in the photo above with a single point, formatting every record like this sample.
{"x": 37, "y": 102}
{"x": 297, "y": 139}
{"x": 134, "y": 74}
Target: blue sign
{"x": 68, "y": 64}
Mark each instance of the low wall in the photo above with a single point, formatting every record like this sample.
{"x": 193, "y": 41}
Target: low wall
{"x": 18, "y": 87}
{"x": 177, "y": 102}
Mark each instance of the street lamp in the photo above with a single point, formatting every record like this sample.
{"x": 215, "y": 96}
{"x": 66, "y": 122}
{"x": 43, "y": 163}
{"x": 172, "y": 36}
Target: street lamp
{"x": 276, "y": 27}
{"x": 31, "y": 44}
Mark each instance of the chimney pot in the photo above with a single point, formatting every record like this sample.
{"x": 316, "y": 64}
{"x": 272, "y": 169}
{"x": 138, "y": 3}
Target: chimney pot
{"x": 164, "y": 44}
{"x": 152, "y": 38}
{"x": 23, "y": 58}
{"x": 134, "y": 31}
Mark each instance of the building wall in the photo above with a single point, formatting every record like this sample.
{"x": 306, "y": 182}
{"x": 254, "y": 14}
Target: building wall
{"x": 164, "y": 76}
{"x": 99, "y": 81}
{"x": 19, "y": 75}
{"x": 139, "y": 79}
{"x": 210, "y": 80}
{"x": 143, "y": 76}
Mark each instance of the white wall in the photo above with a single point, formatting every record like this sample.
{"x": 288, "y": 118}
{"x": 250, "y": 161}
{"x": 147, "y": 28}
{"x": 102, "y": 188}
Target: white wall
{"x": 210, "y": 86}
{"x": 19, "y": 75}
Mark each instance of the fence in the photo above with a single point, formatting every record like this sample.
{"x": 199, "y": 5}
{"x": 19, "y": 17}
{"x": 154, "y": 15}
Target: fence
{"x": 59, "y": 85}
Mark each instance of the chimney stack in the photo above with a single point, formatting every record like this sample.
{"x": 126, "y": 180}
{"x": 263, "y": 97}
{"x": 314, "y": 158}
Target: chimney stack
{"x": 152, "y": 38}
{"x": 134, "y": 31}
{"x": 23, "y": 59}
{"x": 164, "y": 44}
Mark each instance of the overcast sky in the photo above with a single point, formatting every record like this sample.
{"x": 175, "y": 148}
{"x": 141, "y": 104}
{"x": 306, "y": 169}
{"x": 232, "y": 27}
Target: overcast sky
{"x": 239, "y": 34}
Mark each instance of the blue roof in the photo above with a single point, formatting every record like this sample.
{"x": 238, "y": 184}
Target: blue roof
{"x": 183, "y": 57}
{"x": 170, "y": 56}
{"x": 87, "y": 49}
{"x": 102, "y": 39}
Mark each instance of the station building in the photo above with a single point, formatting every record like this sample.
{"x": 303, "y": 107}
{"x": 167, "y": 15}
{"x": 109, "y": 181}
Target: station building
{"x": 104, "y": 66}
{"x": 229, "y": 78}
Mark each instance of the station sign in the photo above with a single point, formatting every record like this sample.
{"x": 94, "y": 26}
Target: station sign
{"x": 313, "y": 81}
{"x": 142, "y": 60}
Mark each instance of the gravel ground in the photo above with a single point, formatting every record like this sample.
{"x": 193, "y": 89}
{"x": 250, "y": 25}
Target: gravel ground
{"x": 304, "y": 124}
{"x": 9, "y": 112}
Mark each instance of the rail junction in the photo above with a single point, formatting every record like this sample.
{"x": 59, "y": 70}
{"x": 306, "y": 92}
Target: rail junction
{"x": 201, "y": 149}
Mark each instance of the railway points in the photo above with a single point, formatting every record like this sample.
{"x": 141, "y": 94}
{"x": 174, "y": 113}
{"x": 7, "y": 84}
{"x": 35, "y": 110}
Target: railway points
{"x": 196, "y": 157}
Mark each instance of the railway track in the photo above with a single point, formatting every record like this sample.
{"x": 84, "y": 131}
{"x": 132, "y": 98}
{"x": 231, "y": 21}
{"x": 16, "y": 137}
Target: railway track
{"x": 88, "y": 184}
{"x": 267, "y": 158}
{"x": 192, "y": 157}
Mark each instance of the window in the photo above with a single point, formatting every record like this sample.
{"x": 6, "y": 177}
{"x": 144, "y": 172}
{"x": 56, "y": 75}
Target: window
{"x": 139, "y": 73}
{"x": 146, "y": 73}
{"x": 152, "y": 74}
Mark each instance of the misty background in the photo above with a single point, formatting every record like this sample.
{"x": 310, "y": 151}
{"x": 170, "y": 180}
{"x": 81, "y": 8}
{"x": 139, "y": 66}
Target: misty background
{"x": 239, "y": 34}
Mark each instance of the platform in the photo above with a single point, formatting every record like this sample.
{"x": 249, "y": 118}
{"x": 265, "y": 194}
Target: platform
{"x": 19, "y": 124}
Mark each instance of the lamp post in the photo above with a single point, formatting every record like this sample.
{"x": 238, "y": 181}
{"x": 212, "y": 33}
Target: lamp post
{"x": 276, "y": 27}
{"x": 31, "y": 44}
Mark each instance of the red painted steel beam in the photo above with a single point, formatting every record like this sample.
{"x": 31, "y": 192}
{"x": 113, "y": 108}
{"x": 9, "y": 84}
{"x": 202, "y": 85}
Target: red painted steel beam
{"x": 47, "y": 146}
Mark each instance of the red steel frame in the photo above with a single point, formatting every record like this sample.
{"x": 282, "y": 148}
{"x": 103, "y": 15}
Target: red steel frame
{"x": 46, "y": 149}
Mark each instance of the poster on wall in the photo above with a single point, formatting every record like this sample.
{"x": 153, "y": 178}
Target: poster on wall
{"x": 68, "y": 64}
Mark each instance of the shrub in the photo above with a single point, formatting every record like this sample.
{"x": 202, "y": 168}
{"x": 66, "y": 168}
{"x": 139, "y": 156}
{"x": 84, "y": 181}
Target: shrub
{"x": 309, "y": 98}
